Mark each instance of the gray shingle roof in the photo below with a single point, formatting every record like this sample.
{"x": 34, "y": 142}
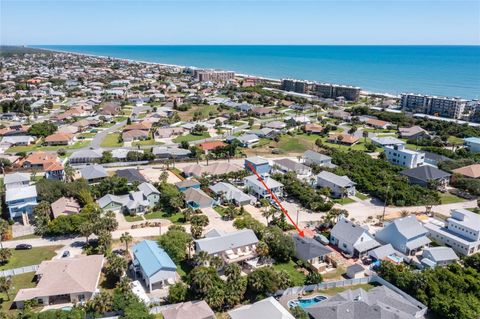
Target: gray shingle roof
{"x": 226, "y": 241}
{"x": 440, "y": 253}
{"x": 316, "y": 156}
{"x": 425, "y": 173}
{"x": 378, "y": 303}
{"x": 342, "y": 181}
{"x": 309, "y": 248}
{"x": 347, "y": 231}
{"x": 93, "y": 172}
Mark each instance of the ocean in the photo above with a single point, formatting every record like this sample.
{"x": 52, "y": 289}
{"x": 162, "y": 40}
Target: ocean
{"x": 435, "y": 70}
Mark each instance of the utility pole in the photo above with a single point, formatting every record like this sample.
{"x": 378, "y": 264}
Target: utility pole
{"x": 385, "y": 204}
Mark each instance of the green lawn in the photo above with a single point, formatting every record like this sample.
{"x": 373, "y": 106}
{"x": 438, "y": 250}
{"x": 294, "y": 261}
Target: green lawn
{"x": 337, "y": 274}
{"x": 107, "y": 125}
{"x": 455, "y": 140}
{"x": 87, "y": 135}
{"x": 40, "y": 147}
{"x": 220, "y": 210}
{"x": 344, "y": 201}
{"x": 191, "y": 137}
{"x": 298, "y": 278}
{"x": 34, "y": 256}
{"x": 118, "y": 119}
{"x": 176, "y": 218}
{"x": 111, "y": 140}
{"x": 447, "y": 198}
{"x": 361, "y": 196}
{"x": 130, "y": 218}
{"x": 203, "y": 109}
{"x": 18, "y": 282}
{"x": 146, "y": 142}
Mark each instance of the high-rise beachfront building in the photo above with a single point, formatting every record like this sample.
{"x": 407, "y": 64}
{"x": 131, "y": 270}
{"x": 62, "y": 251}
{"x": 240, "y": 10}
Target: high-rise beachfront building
{"x": 213, "y": 75}
{"x": 433, "y": 105}
{"x": 324, "y": 90}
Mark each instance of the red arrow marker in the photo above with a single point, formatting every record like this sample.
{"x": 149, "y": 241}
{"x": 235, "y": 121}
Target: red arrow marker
{"x": 274, "y": 197}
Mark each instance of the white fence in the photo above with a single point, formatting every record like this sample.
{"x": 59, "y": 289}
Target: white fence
{"x": 18, "y": 271}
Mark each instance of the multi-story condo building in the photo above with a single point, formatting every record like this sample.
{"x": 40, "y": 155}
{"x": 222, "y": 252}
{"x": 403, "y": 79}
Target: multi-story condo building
{"x": 447, "y": 107}
{"x": 213, "y": 75}
{"x": 415, "y": 103}
{"x": 325, "y": 90}
{"x": 461, "y": 232}
{"x": 399, "y": 155}
{"x": 432, "y": 105}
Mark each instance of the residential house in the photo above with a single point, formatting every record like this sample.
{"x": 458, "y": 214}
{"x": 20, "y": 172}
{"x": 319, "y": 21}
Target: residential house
{"x": 38, "y": 160}
{"x": 313, "y": 253}
{"x": 133, "y": 203}
{"x": 15, "y": 180}
{"x": 210, "y": 146}
{"x": 297, "y": 120}
{"x": 141, "y": 126}
{"x": 387, "y": 141}
{"x": 187, "y": 183}
{"x": 259, "y": 164}
{"x": 257, "y": 188}
{"x": 473, "y": 144}
{"x": 262, "y": 111}
{"x": 189, "y": 310}
{"x": 132, "y": 175}
{"x": 353, "y": 239}
{"x": 110, "y": 109}
{"x": 227, "y": 193}
{"x": 21, "y": 201}
{"x": 267, "y": 308}
{"x": 340, "y": 186}
{"x": 407, "y": 235}
{"x": 426, "y": 176}
{"x": 64, "y": 281}
{"x": 215, "y": 169}
{"x": 196, "y": 198}
{"x": 170, "y": 152}
{"x": 121, "y": 154}
{"x": 168, "y": 132}
{"x": 461, "y": 232}
{"x": 433, "y": 159}
{"x": 313, "y": 128}
{"x": 275, "y": 125}
{"x": 265, "y": 132}
{"x": 472, "y": 171}
{"x": 134, "y": 135}
{"x": 153, "y": 265}
{"x": 93, "y": 173}
{"x": 235, "y": 247}
{"x": 20, "y": 140}
{"x": 399, "y": 155}
{"x": 386, "y": 252}
{"x": 85, "y": 156}
{"x": 286, "y": 165}
{"x": 245, "y": 140}
{"x": 65, "y": 206}
{"x": 54, "y": 170}
{"x": 314, "y": 158}
{"x": 413, "y": 133}
{"x": 438, "y": 256}
{"x": 379, "y": 302}
{"x": 377, "y": 123}
{"x": 343, "y": 138}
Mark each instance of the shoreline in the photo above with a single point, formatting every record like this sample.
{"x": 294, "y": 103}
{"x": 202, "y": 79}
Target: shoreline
{"x": 241, "y": 75}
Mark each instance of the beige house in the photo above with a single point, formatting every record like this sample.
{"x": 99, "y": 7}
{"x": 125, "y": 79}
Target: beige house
{"x": 64, "y": 281}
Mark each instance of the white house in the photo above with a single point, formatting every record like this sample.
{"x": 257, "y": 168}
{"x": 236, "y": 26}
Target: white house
{"x": 399, "y": 155}
{"x": 351, "y": 238}
{"x": 256, "y": 187}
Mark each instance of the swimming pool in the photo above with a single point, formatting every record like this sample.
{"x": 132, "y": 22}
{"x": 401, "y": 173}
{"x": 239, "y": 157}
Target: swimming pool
{"x": 395, "y": 258}
{"x": 305, "y": 302}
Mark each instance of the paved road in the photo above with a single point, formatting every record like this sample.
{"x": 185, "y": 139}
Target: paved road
{"x": 98, "y": 138}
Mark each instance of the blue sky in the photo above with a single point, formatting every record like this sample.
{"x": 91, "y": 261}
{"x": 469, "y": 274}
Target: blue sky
{"x": 239, "y": 22}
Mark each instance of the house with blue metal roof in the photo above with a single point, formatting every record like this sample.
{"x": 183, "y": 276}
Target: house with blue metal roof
{"x": 473, "y": 144}
{"x": 153, "y": 265}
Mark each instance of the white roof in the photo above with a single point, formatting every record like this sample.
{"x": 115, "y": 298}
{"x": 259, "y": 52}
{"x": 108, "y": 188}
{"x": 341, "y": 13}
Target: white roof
{"x": 267, "y": 308}
{"x": 20, "y": 193}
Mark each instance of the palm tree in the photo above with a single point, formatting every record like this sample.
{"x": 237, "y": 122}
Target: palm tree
{"x": 124, "y": 285}
{"x": 69, "y": 172}
{"x": 4, "y": 228}
{"x": 365, "y": 135}
{"x": 216, "y": 262}
{"x": 262, "y": 249}
{"x": 202, "y": 258}
{"x": 5, "y": 255}
{"x": 5, "y": 285}
{"x": 126, "y": 238}
{"x": 86, "y": 229}
{"x": 102, "y": 302}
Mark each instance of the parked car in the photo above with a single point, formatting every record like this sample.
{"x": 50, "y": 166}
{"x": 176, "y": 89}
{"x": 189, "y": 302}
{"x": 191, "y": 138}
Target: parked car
{"x": 23, "y": 247}
{"x": 66, "y": 253}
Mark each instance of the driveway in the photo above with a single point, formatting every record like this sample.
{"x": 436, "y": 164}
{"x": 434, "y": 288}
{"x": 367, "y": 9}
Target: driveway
{"x": 216, "y": 221}
{"x": 98, "y": 138}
